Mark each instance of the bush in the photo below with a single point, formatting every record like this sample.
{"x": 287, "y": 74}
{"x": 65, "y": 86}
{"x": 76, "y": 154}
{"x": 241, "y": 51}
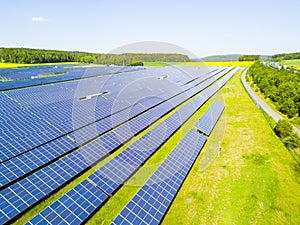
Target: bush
{"x": 283, "y": 128}
{"x": 292, "y": 141}
{"x": 136, "y": 64}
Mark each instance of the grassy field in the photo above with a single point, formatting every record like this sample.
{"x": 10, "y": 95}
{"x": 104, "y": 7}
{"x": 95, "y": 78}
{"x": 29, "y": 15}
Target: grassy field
{"x": 254, "y": 181}
{"x": 160, "y": 64}
{"x": 295, "y": 63}
{"x": 157, "y": 64}
{"x": 241, "y": 64}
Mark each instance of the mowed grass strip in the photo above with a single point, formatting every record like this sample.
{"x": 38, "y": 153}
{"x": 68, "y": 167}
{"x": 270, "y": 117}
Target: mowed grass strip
{"x": 254, "y": 181}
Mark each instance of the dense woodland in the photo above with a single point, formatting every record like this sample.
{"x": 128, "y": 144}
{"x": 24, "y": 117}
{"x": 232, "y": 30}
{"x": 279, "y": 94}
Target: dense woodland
{"x": 281, "y": 86}
{"x": 249, "y": 58}
{"x": 25, "y": 55}
{"x": 286, "y": 56}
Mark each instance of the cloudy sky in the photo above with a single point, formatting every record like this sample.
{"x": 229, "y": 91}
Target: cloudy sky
{"x": 202, "y": 27}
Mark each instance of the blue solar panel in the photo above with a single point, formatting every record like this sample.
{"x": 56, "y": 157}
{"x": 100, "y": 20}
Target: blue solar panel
{"x": 208, "y": 121}
{"x": 24, "y": 77}
{"x": 152, "y": 201}
{"x": 19, "y": 166}
{"x": 46, "y": 180}
{"x": 74, "y": 207}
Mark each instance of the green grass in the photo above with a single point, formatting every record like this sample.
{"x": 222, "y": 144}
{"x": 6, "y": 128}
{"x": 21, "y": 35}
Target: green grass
{"x": 160, "y": 64}
{"x": 294, "y": 63}
{"x": 53, "y": 74}
{"x": 254, "y": 181}
{"x": 157, "y": 64}
{"x": 5, "y": 79}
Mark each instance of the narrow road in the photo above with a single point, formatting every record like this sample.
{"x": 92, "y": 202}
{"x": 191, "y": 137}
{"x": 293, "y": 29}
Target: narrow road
{"x": 261, "y": 103}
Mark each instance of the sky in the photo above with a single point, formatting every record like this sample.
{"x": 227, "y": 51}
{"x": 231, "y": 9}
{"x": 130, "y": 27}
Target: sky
{"x": 202, "y": 27}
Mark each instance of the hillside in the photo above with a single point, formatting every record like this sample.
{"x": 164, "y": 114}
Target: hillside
{"x": 220, "y": 58}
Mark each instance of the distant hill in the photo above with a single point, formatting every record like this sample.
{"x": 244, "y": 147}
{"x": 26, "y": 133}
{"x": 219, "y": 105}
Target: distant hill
{"x": 220, "y": 58}
{"x": 224, "y": 58}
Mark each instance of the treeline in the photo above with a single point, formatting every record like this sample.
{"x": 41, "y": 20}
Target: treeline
{"x": 281, "y": 86}
{"x": 26, "y": 55}
{"x": 286, "y": 56}
{"x": 249, "y": 58}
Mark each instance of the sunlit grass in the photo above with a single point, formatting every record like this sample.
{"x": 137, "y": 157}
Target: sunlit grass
{"x": 160, "y": 64}
{"x": 236, "y": 63}
{"x": 294, "y": 63}
{"x": 157, "y": 64}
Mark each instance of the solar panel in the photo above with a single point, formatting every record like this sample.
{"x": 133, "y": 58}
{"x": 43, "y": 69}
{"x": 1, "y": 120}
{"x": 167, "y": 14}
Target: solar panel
{"x": 46, "y": 180}
{"x": 72, "y": 208}
{"x": 19, "y": 166}
{"x": 208, "y": 121}
{"x": 152, "y": 201}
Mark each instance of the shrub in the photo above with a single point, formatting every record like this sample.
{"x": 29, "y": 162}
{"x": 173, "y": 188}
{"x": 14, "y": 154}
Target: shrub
{"x": 283, "y": 128}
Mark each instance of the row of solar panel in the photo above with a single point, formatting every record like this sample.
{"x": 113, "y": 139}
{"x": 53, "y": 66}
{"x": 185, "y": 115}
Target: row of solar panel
{"x": 20, "y": 78}
{"x": 106, "y": 178}
{"x": 80, "y": 165}
{"x": 71, "y": 160}
{"x": 64, "y": 121}
{"x": 113, "y": 174}
{"x": 151, "y": 202}
{"x": 16, "y": 171}
{"x": 208, "y": 121}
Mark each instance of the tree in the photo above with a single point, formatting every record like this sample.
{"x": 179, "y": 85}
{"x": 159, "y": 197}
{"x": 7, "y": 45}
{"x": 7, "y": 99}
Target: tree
{"x": 292, "y": 141}
{"x": 249, "y": 58}
{"x": 283, "y": 128}
{"x": 289, "y": 108}
{"x": 136, "y": 64}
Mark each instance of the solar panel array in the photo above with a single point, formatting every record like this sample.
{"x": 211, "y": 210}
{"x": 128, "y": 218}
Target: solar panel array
{"x": 31, "y": 173}
{"x": 45, "y": 152}
{"x": 152, "y": 201}
{"x": 30, "y": 76}
{"x": 53, "y": 116}
{"x": 208, "y": 121}
{"x": 113, "y": 174}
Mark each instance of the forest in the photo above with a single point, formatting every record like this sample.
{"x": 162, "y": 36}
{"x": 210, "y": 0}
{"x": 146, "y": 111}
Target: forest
{"x": 286, "y": 56}
{"x": 280, "y": 86}
{"x": 26, "y": 55}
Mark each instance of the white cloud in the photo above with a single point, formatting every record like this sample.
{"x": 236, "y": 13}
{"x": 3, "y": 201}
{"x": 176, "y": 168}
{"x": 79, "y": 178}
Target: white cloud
{"x": 38, "y": 19}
